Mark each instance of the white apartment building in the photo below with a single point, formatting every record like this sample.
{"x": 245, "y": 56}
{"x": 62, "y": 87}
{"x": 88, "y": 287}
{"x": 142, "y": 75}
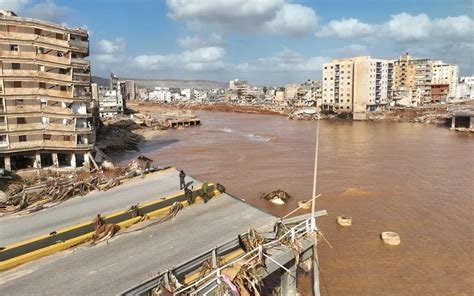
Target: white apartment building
{"x": 241, "y": 87}
{"x": 443, "y": 73}
{"x": 465, "y": 88}
{"x": 357, "y": 85}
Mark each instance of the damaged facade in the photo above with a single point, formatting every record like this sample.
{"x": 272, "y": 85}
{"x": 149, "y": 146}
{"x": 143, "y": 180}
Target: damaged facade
{"x": 45, "y": 94}
{"x": 357, "y": 85}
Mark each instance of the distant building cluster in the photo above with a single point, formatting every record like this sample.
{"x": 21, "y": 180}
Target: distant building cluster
{"x": 351, "y": 86}
{"x": 112, "y": 99}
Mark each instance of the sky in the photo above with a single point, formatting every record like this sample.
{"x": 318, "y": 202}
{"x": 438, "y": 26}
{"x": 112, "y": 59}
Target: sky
{"x": 268, "y": 42}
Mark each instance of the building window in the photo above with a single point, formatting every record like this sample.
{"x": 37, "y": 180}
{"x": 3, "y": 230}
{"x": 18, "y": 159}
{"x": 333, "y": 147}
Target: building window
{"x": 22, "y": 138}
{"x": 17, "y": 84}
{"x": 37, "y": 31}
{"x": 11, "y": 28}
{"x": 46, "y": 137}
{"x": 42, "y": 85}
{"x": 14, "y": 47}
{"x": 67, "y": 138}
{"x": 63, "y": 88}
{"x": 16, "y": 66}
{"x": 59, "y": 36}
{"x": 19, "y": 102}
{"x": 3, "y": 139}
{"x": 20, "y": 120}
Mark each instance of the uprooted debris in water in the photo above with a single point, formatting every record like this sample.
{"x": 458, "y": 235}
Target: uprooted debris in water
{"x": 278, "y": 197}
{"x": 53, "y": 188}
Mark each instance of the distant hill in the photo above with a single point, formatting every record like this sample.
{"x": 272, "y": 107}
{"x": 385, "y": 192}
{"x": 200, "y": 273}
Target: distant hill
{"x": 152, "y": 83}
{"x": 100, "y": 81}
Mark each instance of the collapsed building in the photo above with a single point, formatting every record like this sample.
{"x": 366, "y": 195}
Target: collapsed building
{"x": 46, "y": 105}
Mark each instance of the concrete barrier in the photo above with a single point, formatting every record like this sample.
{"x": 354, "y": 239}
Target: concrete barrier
{"x": 32, "y": 249}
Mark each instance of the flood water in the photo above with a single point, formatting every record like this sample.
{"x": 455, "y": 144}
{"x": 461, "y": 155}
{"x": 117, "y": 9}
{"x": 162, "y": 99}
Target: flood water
{"x": 414, "y": 179}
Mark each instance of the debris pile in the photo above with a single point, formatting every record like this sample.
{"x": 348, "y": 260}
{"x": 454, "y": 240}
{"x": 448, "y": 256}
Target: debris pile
{"x": 54, "y": 188}
{"x": 344, "y": 220}
{"x": 390, "y": 238}
{"x": 304, "y": 114}
{"x": 121, "y": 134}
{"x": 278, "y": 197}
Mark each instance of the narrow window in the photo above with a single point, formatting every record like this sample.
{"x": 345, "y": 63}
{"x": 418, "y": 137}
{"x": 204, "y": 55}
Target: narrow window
{"x": 46, "y": 137}
{"x": 16, "y": 66}
{"x": 22, "y": 138}
{"x": 14, "y": 47}
{"x": 11, "y": 28}
{"x": 67, "y": 138}
{"x": 17, "y": 84}
{"x": 37, "y": 31}
{"x": 19, "y": 102}
{"x": 21, "y": 120}
{"x": 42, "y": 85}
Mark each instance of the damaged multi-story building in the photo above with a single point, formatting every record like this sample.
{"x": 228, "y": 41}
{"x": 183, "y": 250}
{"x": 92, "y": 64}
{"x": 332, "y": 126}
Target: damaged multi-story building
{"x": 45, "y": 94}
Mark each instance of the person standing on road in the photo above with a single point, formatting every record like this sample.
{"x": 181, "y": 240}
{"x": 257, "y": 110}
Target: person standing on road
{"x": 205, "y": 191}
{"x": 182, "y": 183}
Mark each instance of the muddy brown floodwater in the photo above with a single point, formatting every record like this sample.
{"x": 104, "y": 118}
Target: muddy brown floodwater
{"x": 414, "y": 179}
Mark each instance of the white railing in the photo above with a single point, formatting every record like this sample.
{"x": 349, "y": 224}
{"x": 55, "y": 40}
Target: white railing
{"x": 296, "y": 232}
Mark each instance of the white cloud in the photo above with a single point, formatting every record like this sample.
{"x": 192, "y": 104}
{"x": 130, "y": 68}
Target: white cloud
{"x": 293, "y": 20}
{"x": 406, "y": 27}
{"x": 271, "y": 16}
{"x": 346, "y": 28}
{"x": 201, "y": 59}
{"x": 105, "y": 46}
{"x": 108, "y": 53}
{"x": 286, "y": 60}
{"x": 14, "y": 5}
{"x": 48, "y": 11}
{"x": 352, "y": 50}
{"x": 197, "y": 41}
{"x": 403, "y": 27}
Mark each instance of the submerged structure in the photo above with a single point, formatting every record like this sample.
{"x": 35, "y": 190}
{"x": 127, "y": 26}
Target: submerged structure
{"x": 45, "y": 96}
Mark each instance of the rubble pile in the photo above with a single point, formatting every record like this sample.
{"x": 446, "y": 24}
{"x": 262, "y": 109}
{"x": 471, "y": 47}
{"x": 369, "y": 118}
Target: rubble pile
{"x": 278, "y": 196}
{"x": 305, "y": 114}
{"x": 47, "y": 191}
{"x": 121, "y": 134}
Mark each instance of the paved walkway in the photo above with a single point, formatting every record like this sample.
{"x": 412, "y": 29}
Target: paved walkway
{"x": 81, "y": 209}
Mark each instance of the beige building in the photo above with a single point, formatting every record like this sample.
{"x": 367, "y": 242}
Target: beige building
{"x": 45, "y": 94}
{"x": 443, "y": 73}
{"x": 240, "y": 87}
{"x": 412, "y": 80}
{"x": 357, "y": 85}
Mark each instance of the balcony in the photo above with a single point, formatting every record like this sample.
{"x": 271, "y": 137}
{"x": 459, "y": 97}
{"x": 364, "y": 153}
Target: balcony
{"x": 34, "y": 38}
{"x": 81, "y": 77}
{"x": 36, "y": 74}
{"x": 44, "y": 144}
{"x": 52, "y": 58}
{"x": 80, "y": 62}
{"x": 17, "y": 54}
{"x": 43, "y": 126}
{"x": 83, "y": 45}
{"x": 38, "y": 91}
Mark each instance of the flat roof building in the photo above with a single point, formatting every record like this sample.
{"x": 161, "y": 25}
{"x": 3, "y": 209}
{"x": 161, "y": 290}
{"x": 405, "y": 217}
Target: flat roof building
{"x": 45, "y": 94}
{"x": 357, "y": 85}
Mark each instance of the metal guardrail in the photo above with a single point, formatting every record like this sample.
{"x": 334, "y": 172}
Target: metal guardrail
{"x": 194, "y": 264}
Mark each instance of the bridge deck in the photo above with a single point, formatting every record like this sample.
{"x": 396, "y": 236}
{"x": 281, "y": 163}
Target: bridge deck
{"x": 135, "y": 256}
